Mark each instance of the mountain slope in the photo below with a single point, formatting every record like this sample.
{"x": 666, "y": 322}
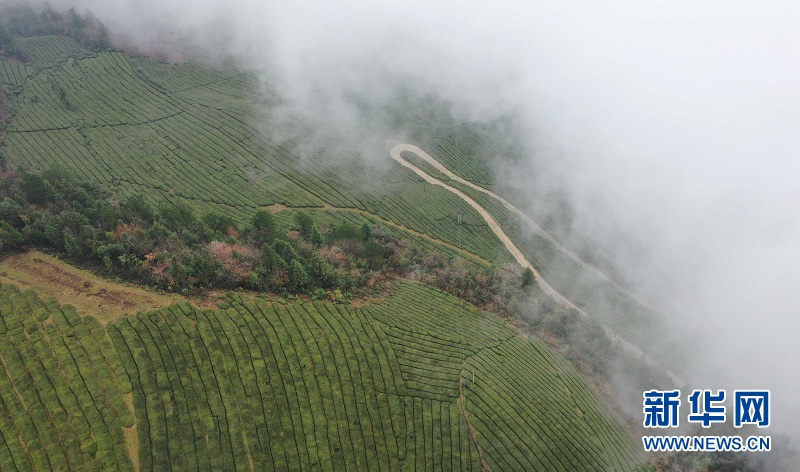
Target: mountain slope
{"x": 418, "y": 381}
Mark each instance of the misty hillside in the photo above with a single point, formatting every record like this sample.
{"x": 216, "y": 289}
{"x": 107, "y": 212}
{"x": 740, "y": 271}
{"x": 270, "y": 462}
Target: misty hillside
{"x": 264, "y": 384}
{"x": 396, "y": 236}
{"x": 190, "y": 133}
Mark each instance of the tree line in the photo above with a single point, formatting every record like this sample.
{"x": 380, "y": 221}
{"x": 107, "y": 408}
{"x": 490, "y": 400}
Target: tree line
{"x": 22, "y": 21}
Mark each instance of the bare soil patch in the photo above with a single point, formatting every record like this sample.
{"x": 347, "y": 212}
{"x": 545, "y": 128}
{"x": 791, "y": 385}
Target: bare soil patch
{"x": 90, "y": 294}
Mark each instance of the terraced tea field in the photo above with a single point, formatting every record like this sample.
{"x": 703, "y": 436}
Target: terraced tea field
{"x": 62, "y": 389}
{"x": 418, "y": 381}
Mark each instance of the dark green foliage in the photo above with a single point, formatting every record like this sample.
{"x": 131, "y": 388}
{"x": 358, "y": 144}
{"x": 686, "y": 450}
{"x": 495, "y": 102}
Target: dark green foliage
{"x": 366, "y": 229}
{"x": 298, "y": 277}
{"x": 24, "y": 21}
{"x": 219, "y": 223}
{"x": 286, "y": 251}
{"x": 321, "y": 272}
{"x": 177, "y": 217}
{"x": 10, "y": 237}
{"x": 61, "y": 94}
{"x": 264, "y": 228}
{"x": 271, "y": 260}
{"x": 36, "y": 189}
{"x": 316, "y": 236}
{"x": 375, "y": 255}
{"x": 6, "y": 40}
{"x": 263, "y": 220}
{"x": 584, "y": 340}
{"x": 88, "y": 30}
{"x": 74, "y": 249}
{"x": 346, "y": 230}
{"x": 7, "y": 45}
{"x": 528, "y": 278}
{"x": 74, "y": 22}
{"x": 305, "y": 223}
{"x": 138, "y": 210}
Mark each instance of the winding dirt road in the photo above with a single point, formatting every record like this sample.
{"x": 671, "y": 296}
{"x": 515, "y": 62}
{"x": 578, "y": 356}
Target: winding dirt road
{"x": 395, "y": 153}
{"x": 528, "y": 221}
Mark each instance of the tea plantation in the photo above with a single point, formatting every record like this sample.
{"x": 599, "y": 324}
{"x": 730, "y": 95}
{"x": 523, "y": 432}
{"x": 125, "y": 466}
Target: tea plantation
{"x": 418, "y": 381}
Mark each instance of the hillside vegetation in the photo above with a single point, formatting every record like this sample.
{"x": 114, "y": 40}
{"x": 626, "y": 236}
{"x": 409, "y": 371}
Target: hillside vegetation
{"x": 192, "y": 133}
{"x": 418, "y": 381}
{"x": 182, "y": 177}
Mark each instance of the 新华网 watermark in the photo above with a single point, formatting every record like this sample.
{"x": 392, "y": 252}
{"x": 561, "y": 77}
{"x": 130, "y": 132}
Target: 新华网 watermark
{"x": 661, "y": 410}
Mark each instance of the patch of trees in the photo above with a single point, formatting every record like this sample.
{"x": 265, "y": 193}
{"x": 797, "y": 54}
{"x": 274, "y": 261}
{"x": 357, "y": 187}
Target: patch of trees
{"x": 23, "y": 21}
{"x": 171, "y": 247}
{"x": 9, "y": 48}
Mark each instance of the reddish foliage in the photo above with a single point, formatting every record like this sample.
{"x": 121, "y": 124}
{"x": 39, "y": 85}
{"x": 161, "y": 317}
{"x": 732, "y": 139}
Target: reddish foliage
{"x": 334, "y": 256}
{"x": 235, "y": 258}
{"x": 8, "y": 170}
{"x": 157, "y": 268}
{"x": 232, "y": 232}
{"x": 280, "y": 278}
{"x": 131, "y": 229}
